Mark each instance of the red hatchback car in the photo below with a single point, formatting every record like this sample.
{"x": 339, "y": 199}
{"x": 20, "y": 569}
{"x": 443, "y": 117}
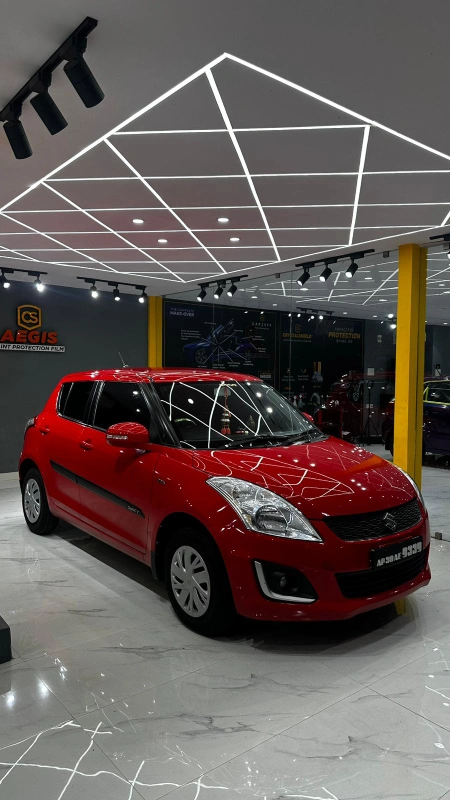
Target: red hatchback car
{"x": 231, "y": 494}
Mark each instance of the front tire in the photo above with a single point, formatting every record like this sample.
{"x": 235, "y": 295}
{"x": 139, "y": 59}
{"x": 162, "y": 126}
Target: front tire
{"x": 37, "y": 514}
{"x": 197, "y": 583}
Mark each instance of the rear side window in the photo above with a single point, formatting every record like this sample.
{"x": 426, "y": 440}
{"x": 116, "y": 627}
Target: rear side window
{"x": 76, "y": 400}
{"x": 63, "y": 395}
{"x": 121, "y": 402}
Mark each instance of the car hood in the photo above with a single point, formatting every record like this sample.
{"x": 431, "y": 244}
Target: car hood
{"x": 328, "y": 477}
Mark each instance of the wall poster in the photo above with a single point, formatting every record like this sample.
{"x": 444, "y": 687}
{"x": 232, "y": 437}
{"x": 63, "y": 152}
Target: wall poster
{"x": 218, "y": 337}
{"x": 336, "y": 343}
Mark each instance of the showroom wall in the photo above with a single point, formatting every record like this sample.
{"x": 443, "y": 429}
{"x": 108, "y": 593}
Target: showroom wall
{"x": 91, "y": 333}
{"x": 441, "y": 350}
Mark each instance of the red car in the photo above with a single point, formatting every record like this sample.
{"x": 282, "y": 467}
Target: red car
{"x": 232, "y": 496}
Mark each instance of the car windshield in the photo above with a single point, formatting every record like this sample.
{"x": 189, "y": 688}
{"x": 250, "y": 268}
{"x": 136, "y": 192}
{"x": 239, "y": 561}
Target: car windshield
{"x": 221, "y": 414}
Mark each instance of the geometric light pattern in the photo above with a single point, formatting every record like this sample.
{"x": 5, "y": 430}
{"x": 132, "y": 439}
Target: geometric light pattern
{"x": 295, "y": 173}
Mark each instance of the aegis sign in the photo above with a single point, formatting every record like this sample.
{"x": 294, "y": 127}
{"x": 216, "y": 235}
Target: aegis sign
{"x": 29, "y": 337}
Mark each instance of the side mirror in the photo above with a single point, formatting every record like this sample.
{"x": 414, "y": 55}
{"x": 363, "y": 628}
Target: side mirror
{"x": 308, "y": 417}
{"x": 127, "y": 434}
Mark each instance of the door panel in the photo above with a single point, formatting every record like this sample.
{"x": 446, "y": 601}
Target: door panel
{"x": 115, "y": 488}
{"x": 115, "y": 484}
{"x": 61, "y": 434}
{"x": 63, "y": 462}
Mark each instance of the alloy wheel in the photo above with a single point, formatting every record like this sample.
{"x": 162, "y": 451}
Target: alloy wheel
{"x": 32, "y": 500}
{"x": 190, "y": 581}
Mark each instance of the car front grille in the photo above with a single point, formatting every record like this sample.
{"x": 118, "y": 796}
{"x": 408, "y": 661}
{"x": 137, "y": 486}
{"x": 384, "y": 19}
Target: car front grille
{"x": 356, "y": 527}
{"x": 367, "y": 583}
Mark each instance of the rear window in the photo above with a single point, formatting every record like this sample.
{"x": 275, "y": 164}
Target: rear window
{"x": 74, "y": 400}
{"x": 63, "y": 395}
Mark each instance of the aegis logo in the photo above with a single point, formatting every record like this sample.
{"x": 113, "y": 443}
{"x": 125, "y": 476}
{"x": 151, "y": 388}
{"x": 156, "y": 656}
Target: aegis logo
{"x": 29, "y": 317}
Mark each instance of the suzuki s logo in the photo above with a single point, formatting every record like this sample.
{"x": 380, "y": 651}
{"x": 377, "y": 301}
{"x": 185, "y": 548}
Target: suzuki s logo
{"x": 29, "y": 317}
{"x": 389, "y": 522}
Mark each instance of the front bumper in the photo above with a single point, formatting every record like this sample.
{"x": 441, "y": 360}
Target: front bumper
{"x": 319, "y": 563}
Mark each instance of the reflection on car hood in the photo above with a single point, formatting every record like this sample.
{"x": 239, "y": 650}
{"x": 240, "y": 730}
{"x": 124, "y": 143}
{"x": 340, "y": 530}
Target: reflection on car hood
{"x": 329, "y": 477}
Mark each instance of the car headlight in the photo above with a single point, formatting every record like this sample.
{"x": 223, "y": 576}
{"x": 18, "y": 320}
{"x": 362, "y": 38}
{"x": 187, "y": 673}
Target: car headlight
{"x": 263, "y": 511}
{"x": 414, "y": 485}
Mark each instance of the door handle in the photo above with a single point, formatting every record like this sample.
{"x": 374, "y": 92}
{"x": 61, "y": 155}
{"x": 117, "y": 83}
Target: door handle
{"x": 86, "y": 445}
{"x": 44, "y": 430}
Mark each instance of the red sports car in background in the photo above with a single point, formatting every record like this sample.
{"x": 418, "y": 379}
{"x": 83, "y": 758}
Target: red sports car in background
{"x": 232, "y": 496}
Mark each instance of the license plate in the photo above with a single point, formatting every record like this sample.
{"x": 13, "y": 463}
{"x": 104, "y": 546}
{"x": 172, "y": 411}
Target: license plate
{"x": 396, "y": 553}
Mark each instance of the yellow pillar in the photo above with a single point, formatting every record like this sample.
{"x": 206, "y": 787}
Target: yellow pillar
{"x": 155, "y": 332}
{"x": 410, "y": 359}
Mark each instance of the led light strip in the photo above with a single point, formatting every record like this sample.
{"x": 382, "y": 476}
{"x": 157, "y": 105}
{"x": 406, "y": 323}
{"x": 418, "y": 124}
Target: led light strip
{"x": 160, "y": 199}
{"x": 232, "y": 134}
{"x": 106, "y": 227}
{"x": 238, "y": 130}
{"x": 56, "y": 241}
{"x": 362, "y": 160}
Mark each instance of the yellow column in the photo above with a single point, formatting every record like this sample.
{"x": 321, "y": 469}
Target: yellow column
{"x": 410, "y": 359}
{"x": 155, "y": 332}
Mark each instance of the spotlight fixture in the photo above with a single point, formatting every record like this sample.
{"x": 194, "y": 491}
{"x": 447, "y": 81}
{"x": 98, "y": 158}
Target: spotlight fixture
{"x": 352, "y": 269}
{"x": 94, "y": 291}
{"x": 138, "y": 221}
{"x": 45, "y": 106}
{"x": 143, "y": 296}
{"x": 38, "y": 284}
{"x": 223, "y": 220}
{"x": 80, "y": 76}
{"x": 116, "y": 294}
{"x": 234, "y": 239}
{"x": 393, "y": 326}
{"x": 17, "y": 137}
{"x": 218, "y": 292}
{"x": 162, "y": 241}
{"x": 390, "y": 316}
{"x": 232, "y": 290}
{"x": 202, "y": 293}
{"x": 325, "y": 274}
{"x": 306, "y": 275}
{"x": 4, "y": 280}
{"x": 321, "y": 317}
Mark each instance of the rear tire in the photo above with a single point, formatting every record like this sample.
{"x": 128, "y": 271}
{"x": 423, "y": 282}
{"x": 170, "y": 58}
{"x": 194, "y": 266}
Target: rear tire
{"x": 37, "y": 514}
{"x": 197, "y": 582}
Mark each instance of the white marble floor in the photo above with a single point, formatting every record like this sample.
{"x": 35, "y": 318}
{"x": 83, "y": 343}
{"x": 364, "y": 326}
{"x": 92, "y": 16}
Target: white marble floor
{"x": 108, "y": 696}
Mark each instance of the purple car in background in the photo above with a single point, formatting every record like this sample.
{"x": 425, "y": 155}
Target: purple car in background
{"x": 436, "y": 419}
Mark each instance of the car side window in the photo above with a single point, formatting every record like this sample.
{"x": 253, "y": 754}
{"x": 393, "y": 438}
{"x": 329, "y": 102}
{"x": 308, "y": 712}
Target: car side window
{"x": 62, "y": 397}
{"x": 438, "y": 395}
{"x": 121, "y": 402}
{"x": 76, "y": 400}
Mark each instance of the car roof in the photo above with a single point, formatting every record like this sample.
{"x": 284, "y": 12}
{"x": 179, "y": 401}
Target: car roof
{"x": 160, "y": 375}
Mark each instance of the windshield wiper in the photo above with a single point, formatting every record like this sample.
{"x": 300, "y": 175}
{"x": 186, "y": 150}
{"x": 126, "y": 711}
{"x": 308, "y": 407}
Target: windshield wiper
{"x": 262, "y": 438}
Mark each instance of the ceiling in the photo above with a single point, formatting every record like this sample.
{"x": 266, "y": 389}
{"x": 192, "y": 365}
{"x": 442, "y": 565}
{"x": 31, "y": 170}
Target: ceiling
{"x": 370, "y": 294}
{"x": 301, "y": 156}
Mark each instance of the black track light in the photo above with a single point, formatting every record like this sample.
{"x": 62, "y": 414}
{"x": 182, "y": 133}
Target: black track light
{"x": 83, "y": 81}
{"x": 202, "y": 294}
{"x": 38, "y": 284}
{"x": 325, "y": 274}
{"x": 94, "y": 291}
{"x": 4, "y": 281}
{"x": 218, "y": 292}
{"x": 305, "y": 277}
{"x": 143, "y": 296}
{"x": 116, "y": 294}
{"x": 48, "y": 111}
{"x": 17, "y": 138}
{"x": 352, "y": 269}
{"x": 232, "y": 290}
